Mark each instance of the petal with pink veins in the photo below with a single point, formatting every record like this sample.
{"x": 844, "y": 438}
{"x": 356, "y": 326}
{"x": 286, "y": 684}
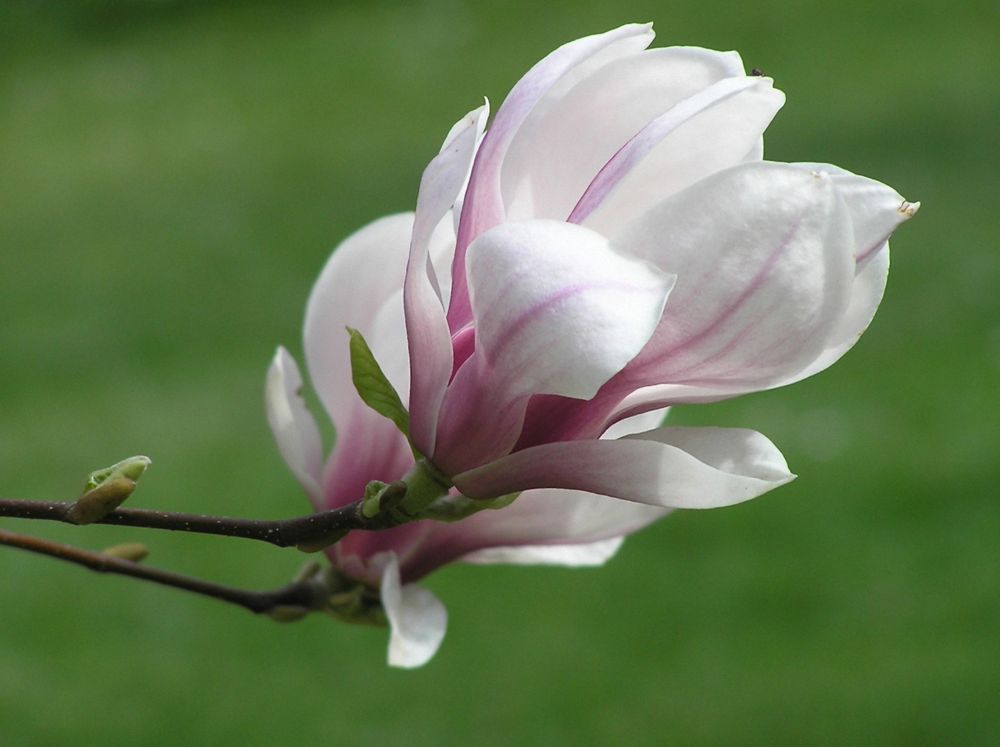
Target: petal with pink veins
{"x": 669, "y": 467}
{"x": 557, "y": 309}
{"x": 482, "y": 207}
{"x": 711, "y": 130}
{"x": 570, "y": 135}
{"x": 763, "y": 254}
{"x": 428, "y": 337}
{"x": 876, "y": 209}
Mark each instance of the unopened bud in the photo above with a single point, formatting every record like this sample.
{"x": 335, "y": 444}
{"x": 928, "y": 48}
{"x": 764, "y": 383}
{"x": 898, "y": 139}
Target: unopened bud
{"x": 107, "y": 489}
{"x": 132, "y": 468}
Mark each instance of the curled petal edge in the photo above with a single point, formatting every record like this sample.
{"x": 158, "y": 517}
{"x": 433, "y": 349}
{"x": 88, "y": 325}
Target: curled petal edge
{"x": 293, "y": 426}
{"x": 669, "y": 467}
{"x": 428, "y": 337}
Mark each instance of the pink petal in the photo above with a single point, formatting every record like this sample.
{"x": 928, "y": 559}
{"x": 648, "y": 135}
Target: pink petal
{"x": 728, "y": 117}
{"x": 371, "y": 448}
{"x": 559, "y": 519}
{"x": 427, "y": 331}
{"x": 875, "y": 210}
{"x": 763, "y": 255}
{"x": 670, "y": 467}
{"x": 557, "y": 310}
{"x": 567, "y": 138}
{"x": 483, "y": 205}
{"x": 722, "y": 135}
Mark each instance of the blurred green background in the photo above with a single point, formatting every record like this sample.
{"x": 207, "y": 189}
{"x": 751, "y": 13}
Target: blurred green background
{"x": 172, "y": 177}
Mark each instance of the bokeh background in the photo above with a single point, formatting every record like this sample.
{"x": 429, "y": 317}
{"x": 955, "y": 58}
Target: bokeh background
{"x": 172, "y": 178}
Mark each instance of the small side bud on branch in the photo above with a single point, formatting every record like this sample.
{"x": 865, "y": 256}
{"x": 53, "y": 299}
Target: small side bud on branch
{"x": 107, "y": 489}
{"x": 315, "y": 544}
{"x": 288, "y": 613}
{"x": 134, "y": 551}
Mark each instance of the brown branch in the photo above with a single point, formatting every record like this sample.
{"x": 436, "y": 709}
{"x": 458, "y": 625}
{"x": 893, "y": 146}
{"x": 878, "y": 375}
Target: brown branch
{"x": 303, "y": 595}
{"x": 309, "y": 533}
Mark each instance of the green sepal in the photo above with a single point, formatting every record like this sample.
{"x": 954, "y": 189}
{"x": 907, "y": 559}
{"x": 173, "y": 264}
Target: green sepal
{"x": 457, "y": 507}
{"x": 374, "y": 388}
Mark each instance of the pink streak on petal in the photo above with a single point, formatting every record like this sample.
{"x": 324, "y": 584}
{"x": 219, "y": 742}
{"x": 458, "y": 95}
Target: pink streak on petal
{"x": 463, "y": 344}
{"x": 632, "y": 152}
{"x": 483, "y": 206}
{"x": 529, "y": 315}
{"x": 479, "y": 420}
{"x": 428, "y": 338}
{"x": 645, "y": 468}
{"x": 643, "y": 362}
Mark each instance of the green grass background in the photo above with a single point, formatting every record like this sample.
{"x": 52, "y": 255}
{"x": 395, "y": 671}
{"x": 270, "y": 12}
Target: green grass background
{"x": 172, "y": 177}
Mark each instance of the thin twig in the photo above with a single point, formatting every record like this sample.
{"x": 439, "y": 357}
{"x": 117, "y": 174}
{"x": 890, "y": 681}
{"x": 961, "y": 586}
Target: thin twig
{"x": 307, "y": 594}
{"x": 301, "y": 530}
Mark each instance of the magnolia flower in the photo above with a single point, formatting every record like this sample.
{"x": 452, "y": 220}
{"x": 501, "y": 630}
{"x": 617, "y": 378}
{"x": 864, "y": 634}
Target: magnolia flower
{"x": 614, "y": 244}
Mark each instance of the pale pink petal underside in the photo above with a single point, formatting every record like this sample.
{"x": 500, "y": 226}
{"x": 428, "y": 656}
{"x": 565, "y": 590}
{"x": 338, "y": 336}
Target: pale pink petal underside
{"x": 670, "y": 467}
{"x": 764, "y": 265}
{"x": 639, "y": 146}
{"x": 483, "y": 203}
{"x": 428, "y": 337}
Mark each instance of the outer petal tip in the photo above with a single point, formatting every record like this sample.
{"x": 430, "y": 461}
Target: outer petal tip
{"x": 293, "y": 426}
{"x": 417, "y": 619}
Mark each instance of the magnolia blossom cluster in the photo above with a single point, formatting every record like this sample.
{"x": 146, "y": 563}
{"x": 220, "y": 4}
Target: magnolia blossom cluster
{"x": 612, "y": 245}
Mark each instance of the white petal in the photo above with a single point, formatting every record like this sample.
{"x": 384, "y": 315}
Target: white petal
{"x": 568, "y": 138}
{"x": 483, "y": 203}
{"x": 387, "y": 341}
{"x": 671, "y": 467}
{"x": 645, "y": 421}
{"x": 293, "y": 425}
{"x": 546, "y": 525}
{"x": 720, "y": 136}
{"x": 417, "y": 620}
{"x": 576, "y": 556}
{"x": 764, "y": 265}
{"x": 427, "y": 331}
{"x": 552, "y": 516}
{"x": 866, "y": 294}
{"x": 557, "y": 310}
{"x": 876, "y": 209}
{"x": 361, "y": 274}
{"x": 701, "y": 135}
